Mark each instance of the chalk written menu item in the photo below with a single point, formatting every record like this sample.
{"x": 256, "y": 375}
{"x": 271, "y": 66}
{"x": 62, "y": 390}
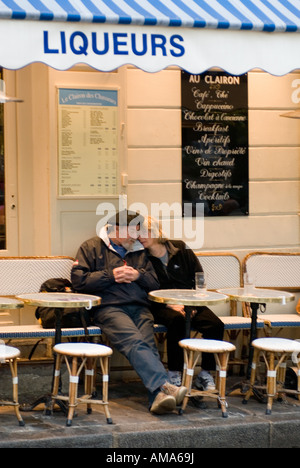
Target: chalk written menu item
{"x": 215, "y": 143}
{"x": 87, "y": 142}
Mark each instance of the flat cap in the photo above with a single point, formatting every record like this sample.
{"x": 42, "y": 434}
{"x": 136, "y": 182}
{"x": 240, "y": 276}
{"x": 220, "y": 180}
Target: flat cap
{"x": 125, "y": 218}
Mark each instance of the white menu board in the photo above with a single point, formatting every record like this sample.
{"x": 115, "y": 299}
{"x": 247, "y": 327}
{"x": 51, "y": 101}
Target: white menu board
{"x": 87, "y": 142}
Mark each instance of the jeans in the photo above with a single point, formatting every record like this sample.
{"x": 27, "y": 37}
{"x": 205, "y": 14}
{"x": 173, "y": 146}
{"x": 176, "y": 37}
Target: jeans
{"x": 204, "y": 321}
{"x": 129, "y": 328}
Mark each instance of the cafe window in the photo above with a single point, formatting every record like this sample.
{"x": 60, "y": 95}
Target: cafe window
{"x": 2, "y": 177}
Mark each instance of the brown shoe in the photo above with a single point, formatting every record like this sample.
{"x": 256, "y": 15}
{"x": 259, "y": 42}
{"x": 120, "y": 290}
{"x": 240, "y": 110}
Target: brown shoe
{"x": 163, "y": 403}
{"x": 177, "y": 392}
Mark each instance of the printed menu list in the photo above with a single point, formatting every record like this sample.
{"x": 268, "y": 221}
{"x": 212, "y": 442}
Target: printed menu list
{"x": 215, "y": 143}
{"x": 87, "y": 142}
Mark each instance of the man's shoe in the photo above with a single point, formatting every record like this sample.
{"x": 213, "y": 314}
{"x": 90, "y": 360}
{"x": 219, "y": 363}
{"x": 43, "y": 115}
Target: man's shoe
{"x": 177, "y": 392}
{"x": 163, "y": 403}
{"x": 205, "y": 381}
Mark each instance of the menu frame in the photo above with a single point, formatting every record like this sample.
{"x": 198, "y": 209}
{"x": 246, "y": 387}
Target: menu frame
{"x": 90, "y": 101}
{"x": 215, "y": 143}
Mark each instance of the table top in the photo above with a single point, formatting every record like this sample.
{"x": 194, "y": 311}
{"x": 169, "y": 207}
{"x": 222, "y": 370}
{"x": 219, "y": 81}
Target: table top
{"x": 258, "y": 295}
{"x": 187, "y": 297}
{"x": 10, "y": 303}
{"x": 60, "y": 300}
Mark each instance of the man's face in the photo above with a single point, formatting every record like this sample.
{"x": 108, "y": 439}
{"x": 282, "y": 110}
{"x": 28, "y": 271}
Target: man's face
{"x": 126, "y": 235}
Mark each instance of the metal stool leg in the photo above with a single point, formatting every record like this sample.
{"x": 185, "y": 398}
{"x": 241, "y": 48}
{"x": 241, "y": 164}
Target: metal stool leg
{"x": 298, "y": 379}
{"x": 272, "y": 375}
{"x": 281, "y": 373}
{"x": 56, "y": 376}
{"x": 222, "y": 362}
{"x": 56, "y": 396}
{"x": 73, "y": 388}
{"x": 89, "y": 380}
{"x": 252, "y": 376}
{"x": 104, "y": 363}
{"x": 271, "y": 381}
{"x": 190, "y": 359}
{"x": 14, "y": 373}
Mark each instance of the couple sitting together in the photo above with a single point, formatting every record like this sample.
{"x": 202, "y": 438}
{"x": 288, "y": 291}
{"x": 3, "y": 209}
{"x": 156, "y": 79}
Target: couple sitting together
{"x": 130, "y": 258}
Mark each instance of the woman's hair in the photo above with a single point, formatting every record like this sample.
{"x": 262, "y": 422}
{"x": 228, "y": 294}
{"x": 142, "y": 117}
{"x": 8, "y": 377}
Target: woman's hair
{"x": 154, "y": 226}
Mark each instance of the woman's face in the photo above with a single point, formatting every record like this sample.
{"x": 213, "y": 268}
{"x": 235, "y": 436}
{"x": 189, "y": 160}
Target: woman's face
{"x": 146, "y": 239}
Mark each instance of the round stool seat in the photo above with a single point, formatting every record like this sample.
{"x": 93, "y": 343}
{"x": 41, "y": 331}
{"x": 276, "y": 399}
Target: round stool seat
{"x": 82, "y": 349}
{"x": 8, "y": 352}
{"x": 209, "y": 346}
{"x": 283, "y": 345}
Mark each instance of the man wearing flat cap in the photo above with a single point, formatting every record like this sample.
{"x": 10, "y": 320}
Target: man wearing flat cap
{"x": 115, "y": 267}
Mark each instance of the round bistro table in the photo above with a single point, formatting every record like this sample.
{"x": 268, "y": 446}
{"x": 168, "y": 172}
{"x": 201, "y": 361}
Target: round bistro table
{"x": 190, "y": 298}
{"x": 59, "y": 301}
{"x": 256, "y": 299}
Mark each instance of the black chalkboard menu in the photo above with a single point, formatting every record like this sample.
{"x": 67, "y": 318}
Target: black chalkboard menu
{"x": 215, "y": 143}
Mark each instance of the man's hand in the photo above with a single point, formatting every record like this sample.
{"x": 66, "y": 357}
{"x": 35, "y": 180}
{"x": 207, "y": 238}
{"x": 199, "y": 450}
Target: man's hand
{"x": 179, "y": 308}
{"x": 125, "y": 274}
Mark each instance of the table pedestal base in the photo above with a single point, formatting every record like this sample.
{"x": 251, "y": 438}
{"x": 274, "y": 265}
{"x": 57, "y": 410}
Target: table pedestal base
{"x": 47, "y": 401}
{"x": 245, "y": 384}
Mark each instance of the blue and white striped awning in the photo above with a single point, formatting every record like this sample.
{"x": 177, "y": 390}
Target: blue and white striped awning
{"x": 261, "y": 15}
{"x": 236, "y": 35}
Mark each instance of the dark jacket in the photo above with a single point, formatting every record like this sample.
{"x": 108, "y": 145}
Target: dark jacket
{"x": 181, "y": 268}
{"x": 92, "y": 273}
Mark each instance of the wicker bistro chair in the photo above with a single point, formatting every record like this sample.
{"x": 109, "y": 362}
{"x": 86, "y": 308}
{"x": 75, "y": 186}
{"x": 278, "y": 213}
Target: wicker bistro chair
{"x": 275, "y": 270}
{"x": 192, "y": 349}
{"x": 275, "y": 352}
{"x": 88, "y": 354}
{"x": 8, "y": 354}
